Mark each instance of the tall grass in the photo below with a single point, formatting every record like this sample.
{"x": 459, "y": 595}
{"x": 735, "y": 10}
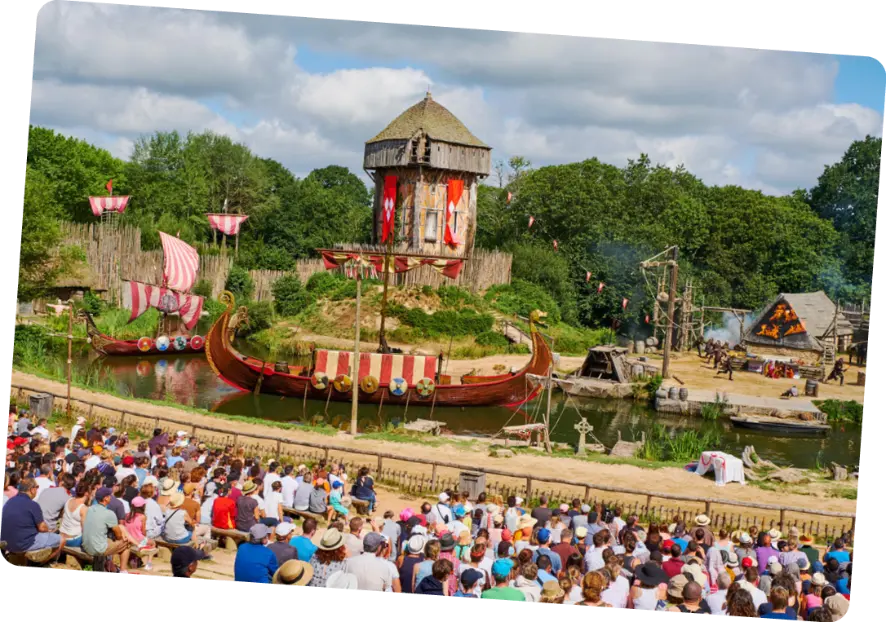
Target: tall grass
{"x": 682, "y": 447}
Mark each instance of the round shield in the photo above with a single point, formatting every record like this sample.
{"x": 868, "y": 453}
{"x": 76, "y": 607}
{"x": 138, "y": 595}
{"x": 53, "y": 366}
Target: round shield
{"x": 369, "y": 384}
{"x": 342, "y": 383}
{"x": 145, "y": 344}
{"x": 319, "y": 381}
{"x": 398, "y": 387}
{"x": 168, "y": 303}
{"x": 425, "y": 387}
{"x": 196, "y": 342}
{"x": 143, "y": 369}
{"x": 162, "y": 343}
{"x": 180, "y": 342}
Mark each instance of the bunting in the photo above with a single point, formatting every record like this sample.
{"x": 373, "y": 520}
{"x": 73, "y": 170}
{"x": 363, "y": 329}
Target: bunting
{"x": 110, "y": 186}
{"x": 600, "y": 287}
{"x": 180, "y": 263}
{"x": 453, "y": 196}
{"x": 450, "y": 268}
{"x": 555, "y": 245}
{"x": 647, "y": 318}
{"x": 99, "y": 205}
{"x": 139, "y": 297}
{"x": 587, "y": 277}
{"x": 624, "y": 303}
{"x": 229, "y": 224}
{"x": 389, "y": 202}
{"x": 510, "y": 196}
{"x": 531, "y": 220}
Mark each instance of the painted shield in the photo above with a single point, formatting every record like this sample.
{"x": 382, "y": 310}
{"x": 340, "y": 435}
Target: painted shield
{"x": 163, "y": 343}
{"x": 319, "y": 381}
{"x": 398, "y": 386}
{"x": 145, "y": 344}
{"x": 425, "y": 387}
{"x": 342, "y": 383}
{"x": 196, "y": 342}
{"x": 369, "y": 384}
{"x": 180, "y": 342}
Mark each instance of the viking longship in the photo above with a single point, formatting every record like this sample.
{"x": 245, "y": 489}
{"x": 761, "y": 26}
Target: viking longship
{"x": 180, "y": 264}
{"x": 396, "y": 379}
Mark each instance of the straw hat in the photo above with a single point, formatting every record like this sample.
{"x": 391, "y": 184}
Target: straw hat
{"x": 526, "y": 521}
{"x": 176, "y": 499}
{"x": 331, "y": 540}
{"x": 775, "y": 534}
{"x": 676, "y": 585}
{"x": 249, "y": 487}
{"x": 294, "y": 572}
{"x": 805, "y": 539}
{"x": 837, "y": 605}
{"x": 695, "y": 571}
{"x": 167, "y": 487}
{"x": 818, "y": 579}
{"x": 552, "y": 590}
{"x": 416, "y": 544}
{"x": 492, "y": 509}
{"x": 464, "y": 537}
{"x": 702, "y": 520}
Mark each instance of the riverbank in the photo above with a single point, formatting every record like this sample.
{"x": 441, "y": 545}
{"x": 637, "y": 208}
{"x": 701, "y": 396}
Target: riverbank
{"x": 663, "y": 480}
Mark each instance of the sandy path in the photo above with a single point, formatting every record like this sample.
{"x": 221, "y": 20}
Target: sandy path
{"x": 665, "y": 480}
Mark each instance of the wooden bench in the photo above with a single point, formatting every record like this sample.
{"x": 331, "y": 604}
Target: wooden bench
{"x": 230, "y": 537}
{"x": 304, "y": 514}
{"x": 166, "y": 548}
{"x": 360, "y": 506}
{"x": 76, "y": 558}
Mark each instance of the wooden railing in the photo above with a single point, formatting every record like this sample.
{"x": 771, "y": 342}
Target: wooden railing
{"x": 529, "y": 485}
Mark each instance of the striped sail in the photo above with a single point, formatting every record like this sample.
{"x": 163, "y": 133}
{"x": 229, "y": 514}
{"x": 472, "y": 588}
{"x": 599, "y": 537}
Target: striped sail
{"x": 139, "y": 297}
{"x": 384, "y": 367}
{"x": 180, "y": 263}
{"x": 100, "y": 205}
{"x": 229, "y": 224}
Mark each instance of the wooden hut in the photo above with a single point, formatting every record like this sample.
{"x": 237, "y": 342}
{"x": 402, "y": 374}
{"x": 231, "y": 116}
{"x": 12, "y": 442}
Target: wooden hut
{"x": 800, "y": 326}
{"x": 425, "y": 149}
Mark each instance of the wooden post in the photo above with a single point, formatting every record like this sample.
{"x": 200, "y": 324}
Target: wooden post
{"x": 328, "y": 396}
{"x": 279, "y": 447}
{"x": 122, "y": 419}
{"x": 781, "y": 523}
{"x": 434, "y": 476}
{"x": 304, "y": 404}
{"x": 70, "y": 346}
{"x": 406, "y": 408}
{"x": 236, "y": 438}
{"x": 378, "y": 466}
{"x": 548, "y": 409}
{"x": 669, "y": 332}
{"x": 707, "y": 508}
{"x": 355, "y": 364}
{"x": 433, "y": 403}
{"x": 528, "y": 489}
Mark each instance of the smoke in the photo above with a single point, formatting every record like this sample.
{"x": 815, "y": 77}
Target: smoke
{"x": 730, "y": 331}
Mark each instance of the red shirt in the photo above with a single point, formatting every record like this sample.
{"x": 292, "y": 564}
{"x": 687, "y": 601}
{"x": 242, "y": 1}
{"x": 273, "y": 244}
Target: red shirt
{"x": 673, "y": 567}
{"x": 224, "y": 513}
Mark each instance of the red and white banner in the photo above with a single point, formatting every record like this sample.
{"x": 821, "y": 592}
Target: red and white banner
{"x": 139, "y": 297}
{"x": 110, "y": 186}
{"x": 624, "y": 303}
{"x": 388, "y": 205}
{"x": 531, "y": 220}
{"x": 384, "y": 367}
{"x": 510, "y": 196}
{"x": 453, "y": 196}
{"x": 229, "y": 224}
{"x": 100, "y": 205}
{"x": 180, "y": 263}
{"x": 449, "y": 268}
{"x": 587, "y": 277}
{"x": 555, "y": 245}
{"x": 600, "y": 287}
{"x": 647, "y": 318}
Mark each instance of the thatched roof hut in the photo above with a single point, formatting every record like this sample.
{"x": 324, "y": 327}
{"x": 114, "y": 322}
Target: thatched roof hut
{"x": 803, "y": 322}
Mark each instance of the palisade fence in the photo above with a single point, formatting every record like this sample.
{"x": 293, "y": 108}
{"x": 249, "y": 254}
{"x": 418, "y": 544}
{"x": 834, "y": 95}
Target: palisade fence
{"x": 418, "y": 476}
{"x": 114, "y": 254}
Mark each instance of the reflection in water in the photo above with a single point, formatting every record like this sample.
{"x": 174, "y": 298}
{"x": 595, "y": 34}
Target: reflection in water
{"x": 189, "y": 380}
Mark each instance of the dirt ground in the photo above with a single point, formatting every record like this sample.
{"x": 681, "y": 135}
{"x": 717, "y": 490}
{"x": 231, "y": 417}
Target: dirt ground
{"x": 692, "y": 370}
{"x": 664, "y": 480}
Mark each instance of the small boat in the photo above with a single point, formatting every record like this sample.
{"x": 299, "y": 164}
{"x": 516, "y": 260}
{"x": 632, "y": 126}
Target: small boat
{"x": 107, "y": 345}
{"x": 782, "y": 426}
{"x": 250, "y": 374}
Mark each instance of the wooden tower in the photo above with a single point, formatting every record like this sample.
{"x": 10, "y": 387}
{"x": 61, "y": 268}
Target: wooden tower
{"x": 426, "y": 148}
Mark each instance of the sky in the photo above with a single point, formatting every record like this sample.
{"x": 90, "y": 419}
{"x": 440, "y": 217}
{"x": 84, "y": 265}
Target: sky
{"x": 310, "y": 92}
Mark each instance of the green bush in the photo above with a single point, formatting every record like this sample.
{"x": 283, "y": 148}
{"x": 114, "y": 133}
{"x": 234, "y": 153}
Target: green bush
{"x": 203, "y": 288}
{"x": 324, "y": 283}
{"x": 491, "y": 338}
{"x": 522, "y": 298}
{"x": 444, "y": 322}
{"x": 654, "y": 384}
{"x": 261, "y": 316}
{"x": 839, "y": 410}
{"x": 454, "y": 297}
{"x": 289, "y": 295}
{"x": 92, "y": 303}
{"x": 30, "y": 343}
{"x": 240, "y": 284}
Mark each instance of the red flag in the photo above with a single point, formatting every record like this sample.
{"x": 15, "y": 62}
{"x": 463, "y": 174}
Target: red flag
{"x": 587, "y": 277}
{"x": 453, "y": 196}
{"x": 647, "y": 318}
{"x": 624, "y": 303}
{"x": 531, "y": 220}
{"x": 110, "y": 186}
{"x": 389, "y": 200}
{"x": 555, "y": 244}
{"x": 510, "y": 196}
{"x": 600, "y": 287}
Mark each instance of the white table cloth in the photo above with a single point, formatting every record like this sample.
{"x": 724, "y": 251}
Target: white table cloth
{"x": 726, "y": 468}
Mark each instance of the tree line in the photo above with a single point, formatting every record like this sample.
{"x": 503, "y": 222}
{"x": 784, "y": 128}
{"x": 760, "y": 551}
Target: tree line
{"x": 740, "y": 247}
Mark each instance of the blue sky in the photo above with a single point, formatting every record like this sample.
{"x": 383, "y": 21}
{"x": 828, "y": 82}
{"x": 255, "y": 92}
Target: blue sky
{"x": 310, "y": 92}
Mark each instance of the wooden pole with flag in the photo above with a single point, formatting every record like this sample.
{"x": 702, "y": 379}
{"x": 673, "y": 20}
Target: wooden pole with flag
{"x": 70, "y": 348}
{"x": 669, "y": 322}
{"x": 355, "y": 364}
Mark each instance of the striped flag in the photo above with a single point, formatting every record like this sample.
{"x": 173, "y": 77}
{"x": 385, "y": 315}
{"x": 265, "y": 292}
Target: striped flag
{"x": 100, "y": 205}
{"x": 180, "y": 263}
{"x": 531, "y": 220}
{"x": 510, "y": 196}
{"x": 139, "y": 297}
{"x": 229, "y": 224}
{"x": 588, "y": 277}
{"x": 453, "y": 196}
{"x": 624, "y": 303}
{"x": 555, "y": 244}
{"x": 110, "y": 186}
{"x": 384, "y": 367}
{"x": 600, "y": 287}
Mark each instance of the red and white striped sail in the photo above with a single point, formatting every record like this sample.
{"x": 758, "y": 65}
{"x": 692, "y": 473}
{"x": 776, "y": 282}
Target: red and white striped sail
{"x": 229, "y": 224}
{"x": 180, "y": 263}
{"x": 139, "y": 297}
{"x": 100, "y": 205}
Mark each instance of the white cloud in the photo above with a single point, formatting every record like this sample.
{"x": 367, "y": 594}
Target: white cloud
{"x": 757, "y": 118}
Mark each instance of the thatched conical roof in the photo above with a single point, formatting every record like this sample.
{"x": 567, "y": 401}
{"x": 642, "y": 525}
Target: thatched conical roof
{"x": 432, "y": 119}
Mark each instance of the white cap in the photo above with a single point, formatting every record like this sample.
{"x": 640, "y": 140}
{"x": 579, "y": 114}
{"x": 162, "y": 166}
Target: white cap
{"x": 519, "y": 500}
{"x": 302, "y": 467}
{"x": 181, "y": 433}
{"x": 284, "y": 529}
{"x": 443, "y": 497}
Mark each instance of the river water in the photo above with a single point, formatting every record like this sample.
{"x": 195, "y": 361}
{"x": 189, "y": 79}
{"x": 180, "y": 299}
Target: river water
{"x": 189, "y": 380}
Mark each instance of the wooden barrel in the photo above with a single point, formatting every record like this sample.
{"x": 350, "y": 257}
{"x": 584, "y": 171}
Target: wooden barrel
{"x": 662, "y": 393}
{"x": 673, "y": 393}
{"x": 684, "y": 394}
{"x": 861, "y": 378}
{"x": 652, "y": 342}
{"x": 811, "y": 387}
{"x": 640, "y": 347}
{"x": 637, "y": 371}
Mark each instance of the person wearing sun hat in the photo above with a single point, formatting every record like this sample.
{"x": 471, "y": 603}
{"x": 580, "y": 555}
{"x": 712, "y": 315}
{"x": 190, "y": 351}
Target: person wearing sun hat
{"x": 330, "y": 557}
{"x": 805, "y": 541}
{"x": 177, "y": 525}
{"x": 248, "y": 507}
{"x": 703, "y": 522}
{"x": 293, "y": 572}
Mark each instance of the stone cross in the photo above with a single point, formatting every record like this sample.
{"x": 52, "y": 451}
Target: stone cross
{"x": 583, "y": 427}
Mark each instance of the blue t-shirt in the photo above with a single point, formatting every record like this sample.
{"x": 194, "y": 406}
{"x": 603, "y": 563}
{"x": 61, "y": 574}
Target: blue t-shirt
{"x": 842, "y": 585}
{"x": 255, "y": 563}
{"x": 765, "y": 611}
{"x": 556, "y": 562}
{"x": 21, "y": 516}
{"x": 840, "y": 556}
{"x": 304, "y": 546}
